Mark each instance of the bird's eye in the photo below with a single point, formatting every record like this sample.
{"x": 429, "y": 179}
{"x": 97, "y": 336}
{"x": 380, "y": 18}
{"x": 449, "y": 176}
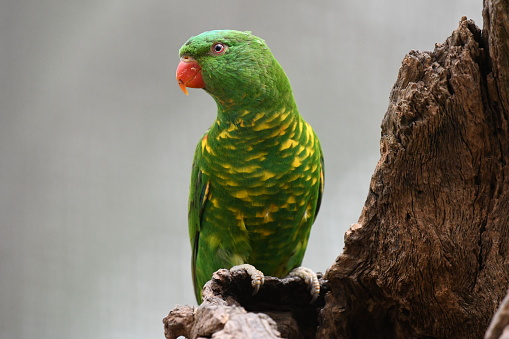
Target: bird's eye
{"x": 218, "y": 48}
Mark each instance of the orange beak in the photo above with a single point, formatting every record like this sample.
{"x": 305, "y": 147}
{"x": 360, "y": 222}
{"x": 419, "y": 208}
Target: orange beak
{"x": 189, "y": 74}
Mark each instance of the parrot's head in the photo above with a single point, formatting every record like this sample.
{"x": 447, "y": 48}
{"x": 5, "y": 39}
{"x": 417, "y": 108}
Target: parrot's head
{"x": 231, "y": 66}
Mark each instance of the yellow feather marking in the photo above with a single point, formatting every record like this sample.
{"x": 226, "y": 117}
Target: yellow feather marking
{"x": 277, "y": 115}
{"x": 309, "y": 134}
{"x": 246, "y": 169}
{"x": 263, "y": 231}
{"x": 206, "y": 193}
{"x": 294, "y": 126}
{"x": 307, "y": 213}
{"x": 262, "y": 126}
{"x": 283, "y": 116}
{"x": 237, "y": 260}
{"x": 267, "y": 175}
{"x": 214, "y": 201}
{"x": 204, "y": 143}
{"x": 310, "y": 151}
{"x": 296, "y": 162}
{"x": 267, "y": 213}
{"x": 287, "y": 144}
{"x": 223, "y": 175}
{"x": 321, "y": 181}
{"x": 213, "y": 241}
{"x": 242, "y": 224}
{"x": 276, "y": 132}
{"x": 284, "y": 127}
{"x": 267, "y": 123}
{"x": 225, "y": 133}
{"x": 266, "y": 232}
{"x": 231, "y": 183}
{"x": 258, "y": 116}
{"x": 291, "y": 199}
{"x": 260, "y": 190}
{"x": 242, "y": 194}
{"x": 298, "y": 246}
{"x": 255, "y": 156}
{"x": 293, "y": 177}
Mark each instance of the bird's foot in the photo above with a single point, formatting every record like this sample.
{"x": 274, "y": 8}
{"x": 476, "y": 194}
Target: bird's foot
{"x": 257, "y": 277}
{"x": 309, "y": 278}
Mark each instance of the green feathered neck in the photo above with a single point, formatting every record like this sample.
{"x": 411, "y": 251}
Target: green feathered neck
{"x": 245, "y": 80}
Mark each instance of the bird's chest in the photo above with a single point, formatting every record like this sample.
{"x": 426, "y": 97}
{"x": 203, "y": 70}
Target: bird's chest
{"x": 240, "y": 166}
{"x": 263, "y": 180}
{"x": 259, "y": 164}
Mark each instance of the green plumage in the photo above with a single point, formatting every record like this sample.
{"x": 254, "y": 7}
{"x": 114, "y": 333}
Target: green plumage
{"x": 257, "y": 176}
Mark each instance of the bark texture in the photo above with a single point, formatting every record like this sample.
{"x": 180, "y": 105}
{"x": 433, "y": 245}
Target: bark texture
{"x": 429, "y": 256}
{"x": 499, "y": 327}
{"x": 229, "y": 310}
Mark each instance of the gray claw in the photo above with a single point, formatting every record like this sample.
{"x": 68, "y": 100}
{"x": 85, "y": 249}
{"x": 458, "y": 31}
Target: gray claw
{"x": 257, "y": 277}
{"x": 309, "y": 278}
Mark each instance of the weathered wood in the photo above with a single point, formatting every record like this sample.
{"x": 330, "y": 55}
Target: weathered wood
{"x": 285, "y": 303}
{"x": 429, "y": 255}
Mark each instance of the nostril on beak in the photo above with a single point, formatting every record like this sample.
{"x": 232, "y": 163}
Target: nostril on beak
{"x": 186, "y": 58}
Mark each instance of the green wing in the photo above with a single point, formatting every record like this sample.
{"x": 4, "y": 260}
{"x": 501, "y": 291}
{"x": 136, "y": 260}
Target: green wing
{"x": 197, "y": 198}
{"x": 322, "y": 181}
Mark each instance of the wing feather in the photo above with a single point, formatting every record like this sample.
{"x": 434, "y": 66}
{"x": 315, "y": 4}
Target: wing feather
{"x": 197, "y": 197}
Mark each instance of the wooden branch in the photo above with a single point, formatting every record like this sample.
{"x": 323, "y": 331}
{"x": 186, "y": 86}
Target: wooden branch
{"x": 429, "y": 256}
{"x": 285, "y": 303}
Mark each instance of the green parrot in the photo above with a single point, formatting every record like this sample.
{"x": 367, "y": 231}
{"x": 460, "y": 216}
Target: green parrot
{"x": 257, "y": 175}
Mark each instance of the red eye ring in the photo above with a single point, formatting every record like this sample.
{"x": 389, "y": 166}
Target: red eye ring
{"x": 218, "y": 48}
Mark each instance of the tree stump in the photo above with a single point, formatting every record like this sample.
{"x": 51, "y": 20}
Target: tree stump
{"x": 429, "y": 256}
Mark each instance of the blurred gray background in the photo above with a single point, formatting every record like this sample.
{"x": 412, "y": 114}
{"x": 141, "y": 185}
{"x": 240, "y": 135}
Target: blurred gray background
{"x": 97, "y": 140}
